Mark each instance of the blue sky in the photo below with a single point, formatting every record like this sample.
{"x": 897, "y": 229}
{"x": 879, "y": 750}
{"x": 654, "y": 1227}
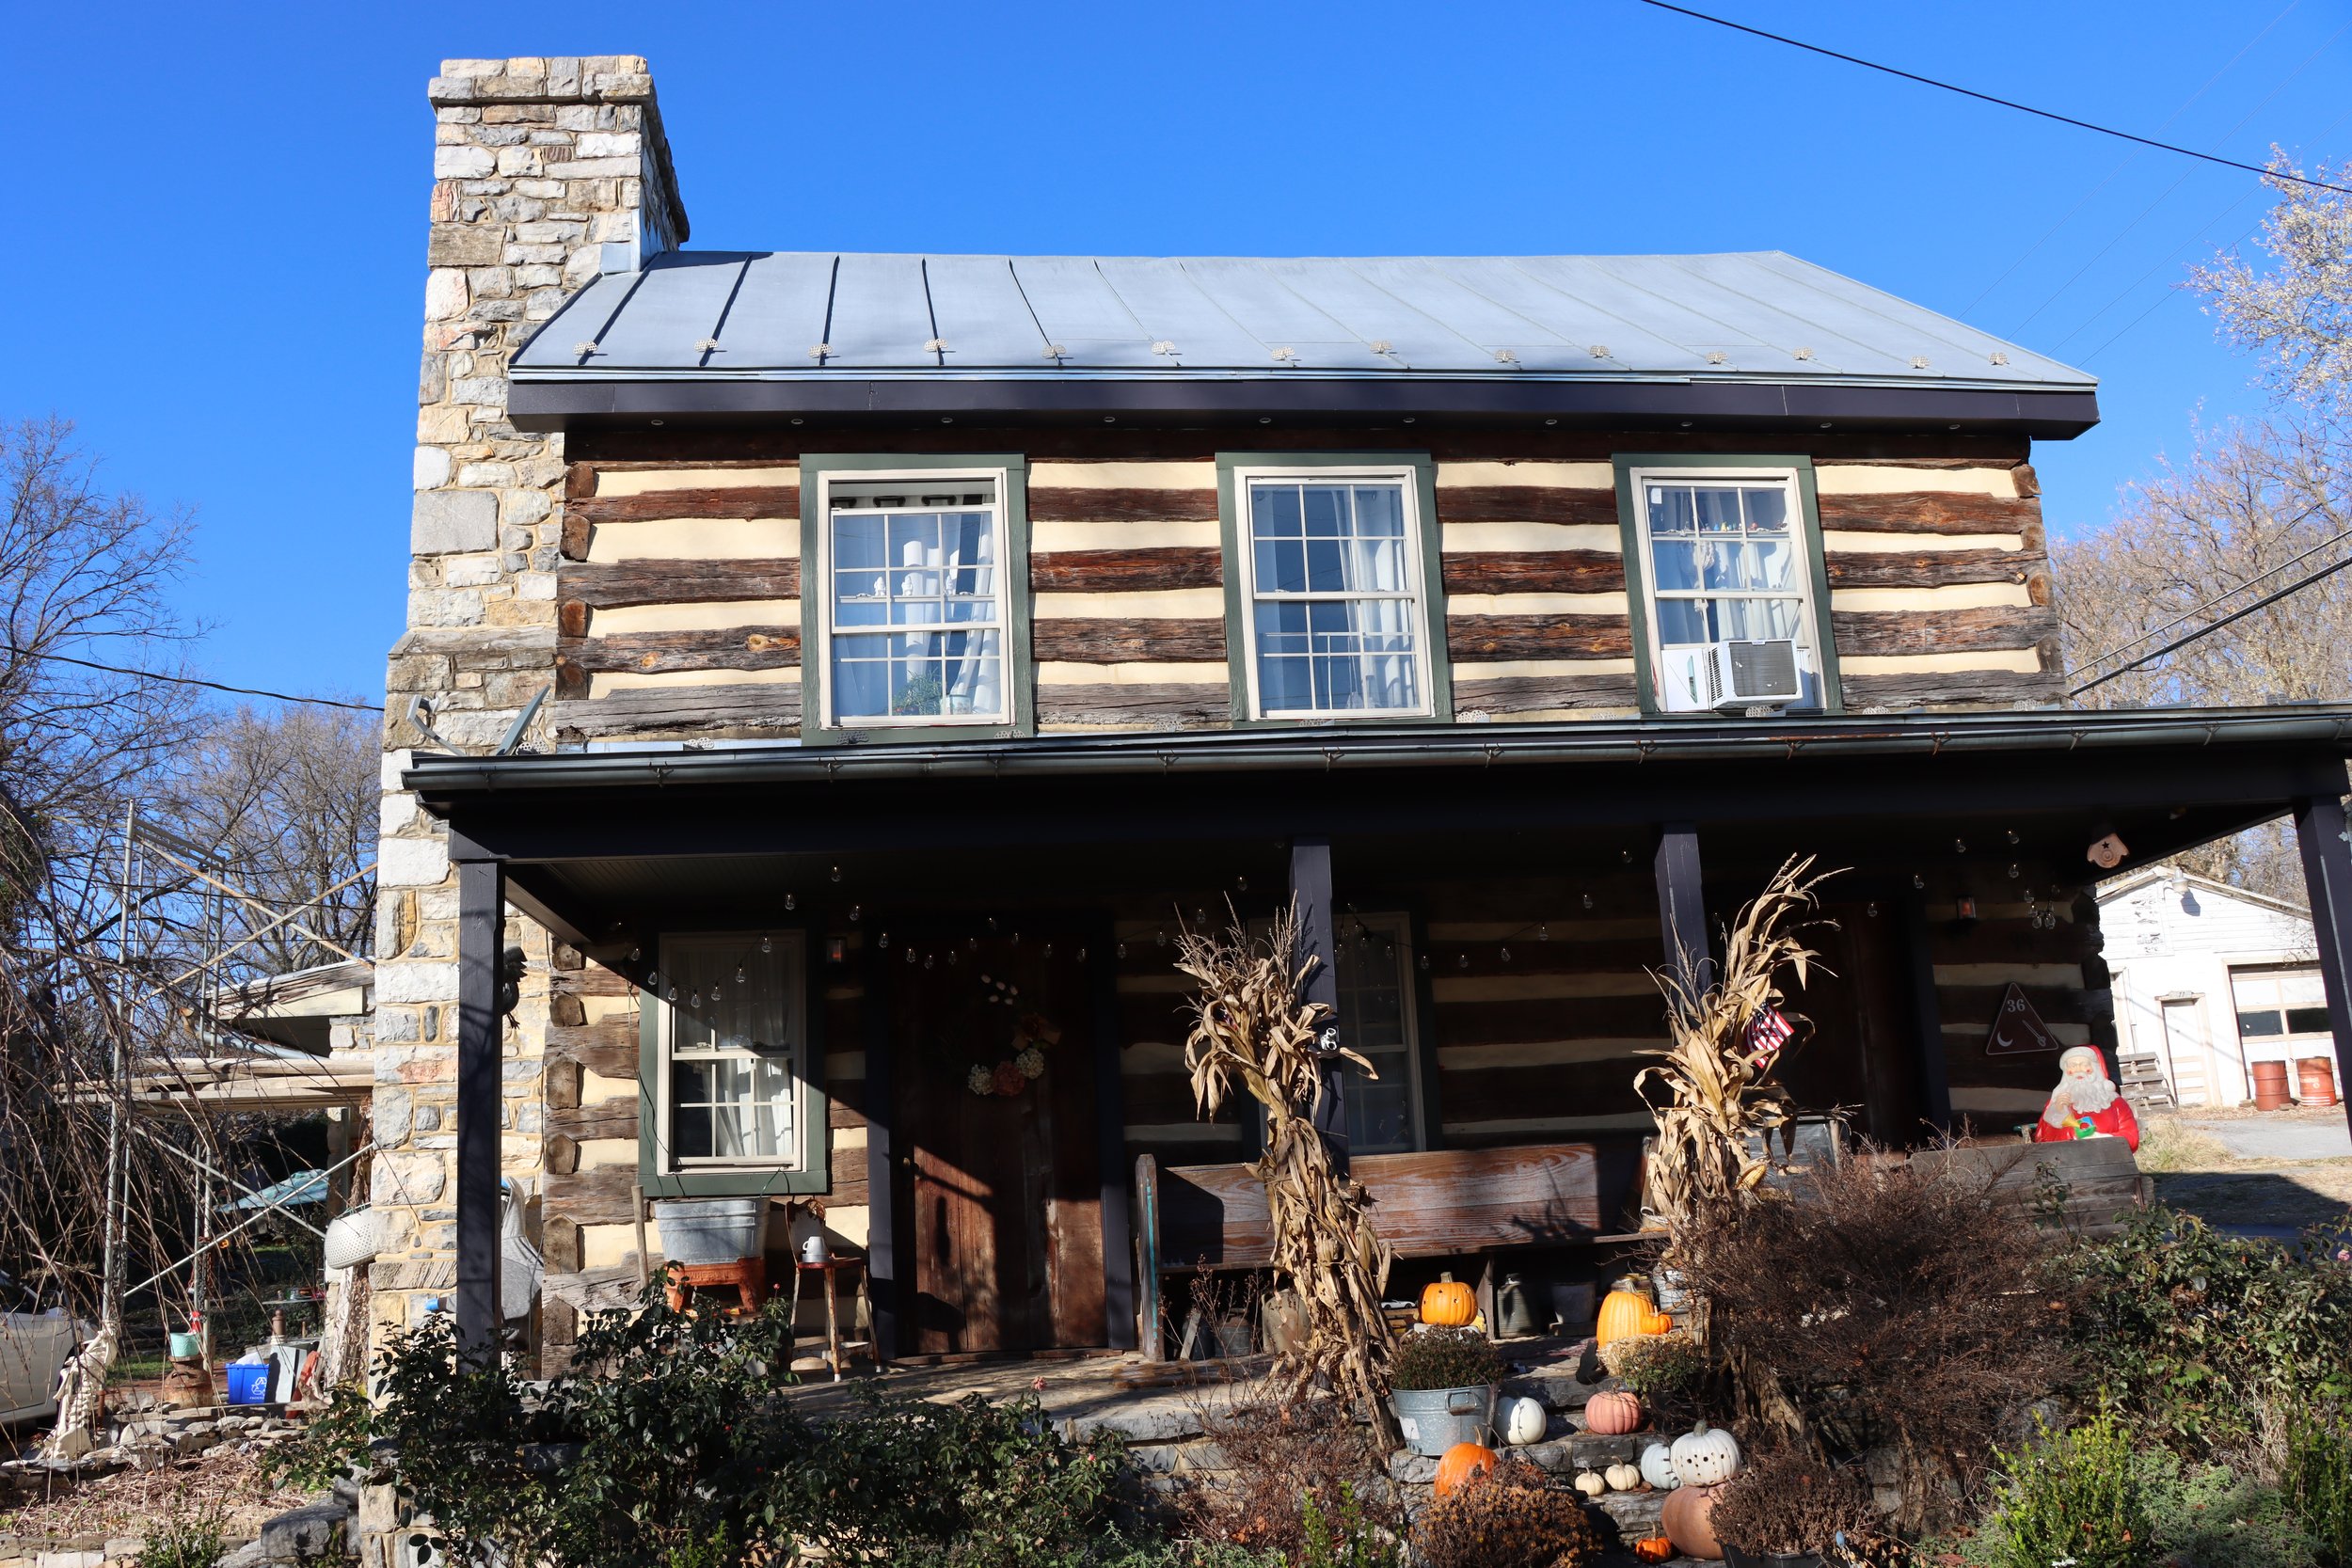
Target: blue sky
{"x": 217, "y": 260}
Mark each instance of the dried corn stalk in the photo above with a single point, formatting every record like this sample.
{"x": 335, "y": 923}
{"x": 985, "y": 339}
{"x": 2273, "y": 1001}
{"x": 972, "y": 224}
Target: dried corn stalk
{"x": 1716, "y": 1100}
{"x": 1252, "y": 1032}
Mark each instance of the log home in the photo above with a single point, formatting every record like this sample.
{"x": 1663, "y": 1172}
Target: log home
{"x": 832, "y": 681}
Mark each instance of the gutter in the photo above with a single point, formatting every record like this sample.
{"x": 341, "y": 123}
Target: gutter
{"x": 2323, "y": 728}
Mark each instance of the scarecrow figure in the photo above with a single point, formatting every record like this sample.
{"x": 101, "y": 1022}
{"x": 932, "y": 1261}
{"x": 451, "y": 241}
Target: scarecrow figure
{"x": 2085, "y": 1105}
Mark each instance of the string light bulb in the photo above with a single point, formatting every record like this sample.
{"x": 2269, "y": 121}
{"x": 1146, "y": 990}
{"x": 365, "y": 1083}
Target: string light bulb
{"x": 791, "y": 902}
{"x": 857, "y": 912}
{"x": 835, "y": 872}
{"x": 766, "y": 946}
{"x": 1506, "y": 955}
{"x": 741, "y": 975}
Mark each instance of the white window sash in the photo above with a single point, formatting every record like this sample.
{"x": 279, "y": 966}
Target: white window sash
{"x": 829, "y": 607}
{"x": 1800, "y": 591}
{"x": 790, "y": 956}
{"x": 1415, "y": 593}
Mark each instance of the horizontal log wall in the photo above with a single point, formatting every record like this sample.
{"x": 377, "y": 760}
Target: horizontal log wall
{"x": 680, "y": 593}
{"x": 2062, "y": 973}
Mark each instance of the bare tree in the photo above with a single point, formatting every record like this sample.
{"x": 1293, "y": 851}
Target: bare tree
{"x": 2295, "y": 313}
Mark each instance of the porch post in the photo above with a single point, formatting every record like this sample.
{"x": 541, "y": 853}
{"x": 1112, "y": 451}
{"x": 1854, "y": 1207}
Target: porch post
{"x": 1311, "y": 893}
{"x": 481, "y": 918}
{"x": 2320, "y": 831}
{"x": 1927, "y": 1015}
{"x": 1682, "y": 906}
{"x": 1110, "y": 1121}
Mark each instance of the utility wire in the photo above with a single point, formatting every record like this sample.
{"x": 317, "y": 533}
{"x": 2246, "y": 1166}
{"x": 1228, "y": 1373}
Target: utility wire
{"x": 191, "y": 680}
{"x": 2196, "y": 609}
{"x": 2084, "y": 200}
{"x": 2179, "y": 643}
{"x": 2004, "y": 103}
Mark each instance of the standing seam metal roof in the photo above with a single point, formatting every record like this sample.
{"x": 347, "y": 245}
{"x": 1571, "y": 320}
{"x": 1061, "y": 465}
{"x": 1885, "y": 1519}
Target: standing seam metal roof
{"x": 1753, "y": 316}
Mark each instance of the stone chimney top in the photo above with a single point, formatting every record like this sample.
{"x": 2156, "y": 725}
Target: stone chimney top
{"x": 568, "y": 118}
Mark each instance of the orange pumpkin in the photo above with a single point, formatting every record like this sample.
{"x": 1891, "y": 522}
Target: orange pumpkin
{"x": 1614, "y": 1414}
{"x": 1653, "y": 1549}
{"x": 1628, "y": 1314}
{"x": 1448, "y": 1304}
{"x": 1462, "y": 1463}
{"x": 1688, "y": 1522}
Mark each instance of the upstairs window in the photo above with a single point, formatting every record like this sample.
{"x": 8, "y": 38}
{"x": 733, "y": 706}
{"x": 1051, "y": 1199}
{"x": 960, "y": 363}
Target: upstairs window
{"x": 915, "y": 605}
{"x": 1727, "y": 563}
{"x": 1334, "y": 607}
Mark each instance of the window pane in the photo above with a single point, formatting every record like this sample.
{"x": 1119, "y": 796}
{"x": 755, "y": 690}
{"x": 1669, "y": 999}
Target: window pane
{"x": 1770, "y": 563}
{"x": 1718, "y": 510}
{"x": 2306, "y": 1021}
{"x": 1670, "y": 509}
{"x": 1676, "y": 564}
{"x": 1756, "y": 618}
{"x": 1767, "y": 510}
{"x": 2261, "y": 1024}
{"x": 857, "y": 541}
{"x": 1373, "y": 978}
{"x": 731, "y": 1078}
{"x": 1684, "y": 622}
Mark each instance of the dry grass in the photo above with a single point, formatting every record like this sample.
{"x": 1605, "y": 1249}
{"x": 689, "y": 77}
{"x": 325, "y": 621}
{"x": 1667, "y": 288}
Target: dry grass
{"x": 2168, "y": 1144}
{"x": 130, "y": 1502}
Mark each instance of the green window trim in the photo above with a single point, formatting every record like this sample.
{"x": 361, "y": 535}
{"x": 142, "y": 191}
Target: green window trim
{"x": 1237, "y": 622}
{"x": 1637, "y": 566}
{"x": 816, "y": 590}
{"x": 814, "y": 1174}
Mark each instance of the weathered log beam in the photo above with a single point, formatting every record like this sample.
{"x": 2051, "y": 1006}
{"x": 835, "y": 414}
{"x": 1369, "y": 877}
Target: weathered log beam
{"x": 1992, "y": 629}
{"x": 1128, "y": 571}
{"x": 1932, "y": 512}
{"x": 1104, "y": 641}
{"x": 1070, "y": 505}
{"x": 1534, "y": 572}
{"x": 1476, "y": 637}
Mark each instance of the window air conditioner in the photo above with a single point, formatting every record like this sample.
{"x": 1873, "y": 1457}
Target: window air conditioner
{"x": 1750, "y": 673}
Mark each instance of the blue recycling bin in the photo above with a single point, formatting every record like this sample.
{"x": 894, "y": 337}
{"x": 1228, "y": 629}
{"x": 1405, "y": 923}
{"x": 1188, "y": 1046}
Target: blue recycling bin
{"x": 247, "y": 1384}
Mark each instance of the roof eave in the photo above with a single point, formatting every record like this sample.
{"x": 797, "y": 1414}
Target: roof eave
{"x": 544, "y": 401}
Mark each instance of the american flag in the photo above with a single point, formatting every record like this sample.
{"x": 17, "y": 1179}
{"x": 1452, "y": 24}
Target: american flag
{"x": 1767, "y": 1032}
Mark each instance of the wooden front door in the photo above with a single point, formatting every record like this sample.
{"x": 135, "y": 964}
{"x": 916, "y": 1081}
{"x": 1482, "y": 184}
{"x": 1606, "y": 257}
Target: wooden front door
{"x": 1003, "y": 1189}
{"x": 1862, "y": 1055}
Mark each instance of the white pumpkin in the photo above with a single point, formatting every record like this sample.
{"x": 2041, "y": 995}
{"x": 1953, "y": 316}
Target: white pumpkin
{"x": 1592, "y": 1483}
{"x": 1706, "y": 1456}
{"x": 1657, "y": 1468}
{"x": 1524, "y": 1422}
{"x": 1621, "y": 1476}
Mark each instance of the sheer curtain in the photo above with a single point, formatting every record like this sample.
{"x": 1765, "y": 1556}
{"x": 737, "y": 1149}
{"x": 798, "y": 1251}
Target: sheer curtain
{"x": 733, "y": 1047}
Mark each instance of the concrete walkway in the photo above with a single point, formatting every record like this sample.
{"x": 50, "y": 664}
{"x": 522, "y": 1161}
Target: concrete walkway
{"x": 2284, "y": 1136}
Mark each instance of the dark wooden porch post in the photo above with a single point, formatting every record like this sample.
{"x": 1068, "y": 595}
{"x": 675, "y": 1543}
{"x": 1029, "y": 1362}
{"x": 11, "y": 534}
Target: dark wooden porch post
{"x": 1682, "y": 906}
{"x": 480, "y": 919}
{"x": 2320, "y": 831}
{"x": 1110, "y": 1120}
{"x": 1311, "y": 892}
{"x": 1927, "y": 1015}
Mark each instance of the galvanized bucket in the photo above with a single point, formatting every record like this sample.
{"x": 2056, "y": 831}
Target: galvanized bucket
{"x": 712, "y": 1230}
{"x": 1434, "y": 1419}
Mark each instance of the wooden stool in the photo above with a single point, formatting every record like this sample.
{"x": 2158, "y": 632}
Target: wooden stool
{"x": 825, "y": 1272}
{"x": 748, "y": 1275}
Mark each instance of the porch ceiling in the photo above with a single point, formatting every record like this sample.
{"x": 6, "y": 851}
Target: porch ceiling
{"x": 598, "y": 841}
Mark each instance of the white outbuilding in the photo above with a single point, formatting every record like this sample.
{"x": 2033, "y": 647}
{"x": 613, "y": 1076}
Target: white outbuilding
{"x": 2210, "y": 979}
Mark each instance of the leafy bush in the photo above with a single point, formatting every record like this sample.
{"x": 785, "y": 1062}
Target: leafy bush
{"x": 2195, "y": 1331}
{"x": 667, "y": 1448}
{"x": 1512, "y": 1516}
{"x": 2081, "y": 1498}
{"x": 1659, "y": 1367}
{"x": 189, "y": 1541}
{"x": 1786, "y": 1500}
{"x": 1444, "y": 1358}
{"x": 1348, "y": 1539}
{"x": 1887, "y": 1307}
{"x": 1292, "y": 1466}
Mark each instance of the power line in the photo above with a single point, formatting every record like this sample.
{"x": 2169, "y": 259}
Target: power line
{"x": 192, "y": 680}
{"x": 2004, "y": 103}
{"x": 2084, "y": 200}
{"x": 2178, "y": 644}
{"x": 2196, "y": 609}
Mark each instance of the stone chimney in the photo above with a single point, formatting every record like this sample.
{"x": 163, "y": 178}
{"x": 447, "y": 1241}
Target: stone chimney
{"x": 545, "y": 172}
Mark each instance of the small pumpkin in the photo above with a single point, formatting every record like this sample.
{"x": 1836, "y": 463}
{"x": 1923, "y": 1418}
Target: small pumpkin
{"x": 1614, "y": 1414}
{"x": 1524, "y": 1422}
{"x": 1653, "y": 1549}
{"x": 1688, "y": 1520}
{"x": 1621, "y": 1476}
{"x": 1462, "y": 1463}
{"x": 1657, "y": 1468}
{"x": 1629, "y": 1315}
{"x": 1592, "y": 1483}
{"x": 1706, "y": 1456}
{"x": 1448, "y": 1304}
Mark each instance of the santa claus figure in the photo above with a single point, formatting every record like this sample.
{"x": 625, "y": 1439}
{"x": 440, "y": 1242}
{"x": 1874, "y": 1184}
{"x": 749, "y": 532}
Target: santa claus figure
{"x": 2084, "y": 1103}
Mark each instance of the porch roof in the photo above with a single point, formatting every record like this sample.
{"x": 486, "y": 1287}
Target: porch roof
{"x": 596, "y": 840}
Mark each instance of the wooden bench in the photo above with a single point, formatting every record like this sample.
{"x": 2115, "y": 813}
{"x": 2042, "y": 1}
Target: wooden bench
{"x": 1446, "y": 1203}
